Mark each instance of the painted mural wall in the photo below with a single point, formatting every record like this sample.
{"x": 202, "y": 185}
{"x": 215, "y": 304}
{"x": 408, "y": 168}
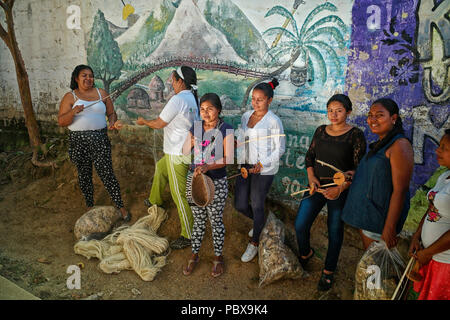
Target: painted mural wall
{"x": 364, "y": 48}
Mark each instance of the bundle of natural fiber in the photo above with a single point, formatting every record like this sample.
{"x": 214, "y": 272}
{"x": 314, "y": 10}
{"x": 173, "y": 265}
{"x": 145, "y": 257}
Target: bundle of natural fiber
{"x": 202, "y": 190}
{"x": 131, "y": 248}
{"x": 97, "y": 249}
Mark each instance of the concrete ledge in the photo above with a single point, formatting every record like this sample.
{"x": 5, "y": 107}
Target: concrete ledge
{"x": 10, "y": 291}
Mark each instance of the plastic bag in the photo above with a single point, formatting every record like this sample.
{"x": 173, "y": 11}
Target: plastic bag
{"x": 276, "y": 260}
{"x": 378, "y": 272}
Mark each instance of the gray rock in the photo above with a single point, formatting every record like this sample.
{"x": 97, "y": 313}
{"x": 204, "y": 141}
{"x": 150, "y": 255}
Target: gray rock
{"x": 96, "y": 223}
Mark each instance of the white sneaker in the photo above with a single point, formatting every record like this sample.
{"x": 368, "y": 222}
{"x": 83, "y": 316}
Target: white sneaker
{"x": 249, "y": 253}
{"x": 250, "y": 233}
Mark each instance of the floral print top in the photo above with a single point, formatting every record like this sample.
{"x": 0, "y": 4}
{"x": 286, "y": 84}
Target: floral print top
{"x": 437, "y": 221}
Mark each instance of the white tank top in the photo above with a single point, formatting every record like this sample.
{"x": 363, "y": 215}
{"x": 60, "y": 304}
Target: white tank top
{"x": 92, "y": 118}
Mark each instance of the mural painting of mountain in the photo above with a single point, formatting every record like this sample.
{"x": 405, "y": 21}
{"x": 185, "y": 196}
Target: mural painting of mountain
{"x": 230, "y": 54}
{"x": 183, "y": 25}
{"x": 144, "y": 36}
{"x": 367, "y": 49}
{"x": 239, "y": 31}
{"x": 190, "y": 35}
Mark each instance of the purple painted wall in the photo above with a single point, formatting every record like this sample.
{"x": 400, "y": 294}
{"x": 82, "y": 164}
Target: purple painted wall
{"x": 385, "y": 62}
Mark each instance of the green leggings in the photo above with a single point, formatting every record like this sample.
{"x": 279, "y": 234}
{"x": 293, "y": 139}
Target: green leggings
{"x": 173, "y": 169}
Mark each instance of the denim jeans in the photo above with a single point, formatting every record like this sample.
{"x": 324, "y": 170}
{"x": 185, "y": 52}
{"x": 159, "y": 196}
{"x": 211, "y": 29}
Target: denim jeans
{"x": 307, "y": 213}
{"x": 255, "y": 188}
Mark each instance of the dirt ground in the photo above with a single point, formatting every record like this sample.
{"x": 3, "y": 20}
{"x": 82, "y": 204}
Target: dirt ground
{"x": 39, "y": 208}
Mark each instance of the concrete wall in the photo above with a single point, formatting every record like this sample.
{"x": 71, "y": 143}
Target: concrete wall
{"x": 368, "y": 49}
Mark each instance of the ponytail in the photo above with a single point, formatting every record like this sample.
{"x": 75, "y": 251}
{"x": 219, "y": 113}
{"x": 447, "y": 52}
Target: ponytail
{"x": 268, "y": 87}
{"x": 189, "y": 78}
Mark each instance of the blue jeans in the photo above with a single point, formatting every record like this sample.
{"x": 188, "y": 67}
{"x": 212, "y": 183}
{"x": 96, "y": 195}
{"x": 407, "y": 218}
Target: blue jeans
{"x": 307, "y": 213}
{"x": 255, "y": 188}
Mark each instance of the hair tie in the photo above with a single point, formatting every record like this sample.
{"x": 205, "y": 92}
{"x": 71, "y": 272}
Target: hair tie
{"x": 180, "y": 73}
{"x": 271, "y": 84}
{"x": 194, "y": 87}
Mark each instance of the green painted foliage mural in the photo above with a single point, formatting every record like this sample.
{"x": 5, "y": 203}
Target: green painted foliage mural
{"x": 103, "y": 53}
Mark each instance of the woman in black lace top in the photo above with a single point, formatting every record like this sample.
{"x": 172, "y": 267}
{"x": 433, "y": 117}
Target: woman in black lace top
{"x": 342, "y": 146}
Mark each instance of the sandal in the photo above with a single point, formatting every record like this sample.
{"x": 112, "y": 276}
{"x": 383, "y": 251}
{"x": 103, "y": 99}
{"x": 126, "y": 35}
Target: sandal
{"x": 217, "y": 271}
{"x": 304, "y": 261}
{"x": 190, "y": 266}
{"x": 325, "y": 282}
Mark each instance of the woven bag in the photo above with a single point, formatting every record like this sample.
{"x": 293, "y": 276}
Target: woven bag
{"x": 202, "y": 190}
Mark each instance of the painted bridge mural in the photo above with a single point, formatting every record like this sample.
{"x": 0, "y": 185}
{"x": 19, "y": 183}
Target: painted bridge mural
{"x": 364, "y": 48}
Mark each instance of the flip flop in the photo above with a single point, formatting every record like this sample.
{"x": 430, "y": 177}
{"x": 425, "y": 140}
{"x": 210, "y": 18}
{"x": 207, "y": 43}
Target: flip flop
{"x": 214, "y": 272}
{"x": 190, "y": 266}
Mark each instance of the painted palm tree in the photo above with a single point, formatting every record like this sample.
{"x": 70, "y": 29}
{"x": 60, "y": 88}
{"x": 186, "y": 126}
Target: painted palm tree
{"x": 307, "y": 40}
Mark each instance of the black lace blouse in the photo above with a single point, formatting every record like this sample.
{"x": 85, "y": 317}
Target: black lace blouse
{"x": 344, "y": 152}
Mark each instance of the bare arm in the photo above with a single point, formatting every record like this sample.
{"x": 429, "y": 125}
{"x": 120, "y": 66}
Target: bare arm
{"x": 415, "y": 239}
{"x": 440, "y": 245}
{"x": 402, "y": 163}
{"x": 66, "y": 113}
{"x": 188, "y": 144}
{"x": 154, "y": 124}
{"x": 110, "y": 113}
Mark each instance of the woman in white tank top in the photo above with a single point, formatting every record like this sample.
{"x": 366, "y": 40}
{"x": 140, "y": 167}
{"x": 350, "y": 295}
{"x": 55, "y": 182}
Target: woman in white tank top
{"x": 88, "y": 139}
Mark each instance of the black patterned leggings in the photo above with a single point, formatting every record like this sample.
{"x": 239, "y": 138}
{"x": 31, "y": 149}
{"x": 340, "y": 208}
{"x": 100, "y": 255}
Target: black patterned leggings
{"x": 213, "y": 211}
{"x": 93, "y": 146}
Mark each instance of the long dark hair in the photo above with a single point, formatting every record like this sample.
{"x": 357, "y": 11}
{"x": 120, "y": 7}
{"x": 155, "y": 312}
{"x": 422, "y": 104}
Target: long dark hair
{"x": 190, "y": 78}
{"x": 391, "y": 106}
{"x": 76, "y": 72}
{"x": 267, "y": 87}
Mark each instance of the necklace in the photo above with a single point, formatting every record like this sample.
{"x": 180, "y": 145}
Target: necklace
{"x": 210, "y": 126}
